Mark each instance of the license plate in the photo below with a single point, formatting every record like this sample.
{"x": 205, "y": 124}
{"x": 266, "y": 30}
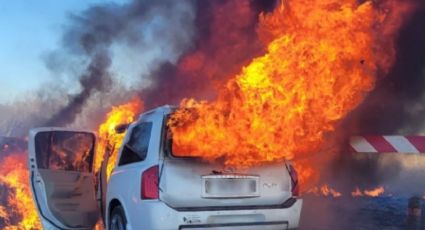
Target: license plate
{"x": 230, "y": 186}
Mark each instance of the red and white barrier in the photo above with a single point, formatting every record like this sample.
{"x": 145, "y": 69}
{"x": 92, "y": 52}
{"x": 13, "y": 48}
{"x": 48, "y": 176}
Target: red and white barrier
{"x": 388, "y": 144}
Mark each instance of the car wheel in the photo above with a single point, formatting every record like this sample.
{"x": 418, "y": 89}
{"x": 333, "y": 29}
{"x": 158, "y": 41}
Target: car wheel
{"x": 117, "y": 221}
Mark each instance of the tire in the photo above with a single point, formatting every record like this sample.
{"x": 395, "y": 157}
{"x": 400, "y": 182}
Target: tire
{"x": 117, "y": 220}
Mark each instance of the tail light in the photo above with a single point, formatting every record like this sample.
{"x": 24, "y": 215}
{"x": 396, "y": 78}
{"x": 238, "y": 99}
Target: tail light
{"x": 149, "y": 185}
{"x": 294, "y": 180}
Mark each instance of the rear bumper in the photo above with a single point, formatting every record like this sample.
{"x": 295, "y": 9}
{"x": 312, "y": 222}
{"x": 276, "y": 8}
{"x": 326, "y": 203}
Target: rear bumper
{"x": 238, "y": 226}
{"x": 157, "y": 215}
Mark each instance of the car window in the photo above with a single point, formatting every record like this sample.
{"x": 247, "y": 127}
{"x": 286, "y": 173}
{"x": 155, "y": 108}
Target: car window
{"x": 136, "y": 148}
{"x": 169, "y": 144}
{"x": 63, "y": 150}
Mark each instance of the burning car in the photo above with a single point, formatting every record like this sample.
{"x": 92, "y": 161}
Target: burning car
{"x": 150, "y": 187}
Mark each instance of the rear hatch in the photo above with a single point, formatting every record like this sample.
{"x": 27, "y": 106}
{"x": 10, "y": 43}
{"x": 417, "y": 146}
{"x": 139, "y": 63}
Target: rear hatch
{"x": 190, "y": 182}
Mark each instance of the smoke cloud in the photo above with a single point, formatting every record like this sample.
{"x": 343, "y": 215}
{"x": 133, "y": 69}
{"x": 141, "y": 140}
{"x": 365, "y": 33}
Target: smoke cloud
{"x": 160, "y": 51}
{"x": 226, "y": 41}
{"x": 160, "y": 31}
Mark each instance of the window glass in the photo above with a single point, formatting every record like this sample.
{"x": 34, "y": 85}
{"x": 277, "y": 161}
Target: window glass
{"x": 169, "y": 144}
{"x": 136, "y": 148}
{"x": 64, "y": 150}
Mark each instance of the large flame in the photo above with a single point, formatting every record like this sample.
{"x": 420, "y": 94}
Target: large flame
{"x": 17, "y": 210}
{"x": 372, "y": 192}
{"x": 109, "y": 140}
{"x": 322, "y": 58}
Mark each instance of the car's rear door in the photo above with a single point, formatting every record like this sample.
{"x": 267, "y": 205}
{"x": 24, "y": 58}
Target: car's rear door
{"x": 193, "y": 183}
{"x": 61, "y": 178}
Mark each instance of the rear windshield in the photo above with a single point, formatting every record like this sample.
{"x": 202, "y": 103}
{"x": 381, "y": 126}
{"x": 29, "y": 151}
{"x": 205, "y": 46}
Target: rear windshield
{"x": 63, "y": 150}
{"x": 168, "y": 143}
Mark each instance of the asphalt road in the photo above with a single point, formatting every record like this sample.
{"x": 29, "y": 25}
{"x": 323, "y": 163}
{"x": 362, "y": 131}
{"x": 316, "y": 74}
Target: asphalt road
{"x": 364, "y": 213}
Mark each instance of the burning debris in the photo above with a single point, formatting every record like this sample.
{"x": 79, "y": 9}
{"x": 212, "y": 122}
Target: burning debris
{"x": 372, "y": 193}
{"x": 324, "y": 190}
{"x": 327, "y": 191}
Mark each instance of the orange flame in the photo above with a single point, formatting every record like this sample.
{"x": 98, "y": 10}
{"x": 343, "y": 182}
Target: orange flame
{"x": 99, "y": 226}
{"x": 109, "y": 140}
{"x": 14, "y": 176}
{"x": 372, "y": 193}
{"x": 375, "y": 192}
{"x": 357, "y": 193}
{"x": 324, "y": 190}
{"x": 14, "y": 172}
{"x": 62, "y": 160}
{"x": 322, "y": 59}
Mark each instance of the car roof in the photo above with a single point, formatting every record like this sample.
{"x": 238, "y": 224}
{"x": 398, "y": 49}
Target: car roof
{"x": 162, "y": 110}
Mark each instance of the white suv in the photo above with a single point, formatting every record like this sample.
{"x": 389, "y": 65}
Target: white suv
{"x": 150, "y": 188}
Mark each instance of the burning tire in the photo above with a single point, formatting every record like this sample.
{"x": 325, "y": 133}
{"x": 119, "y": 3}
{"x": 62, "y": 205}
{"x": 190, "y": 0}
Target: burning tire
{"x": 117, "y": 220}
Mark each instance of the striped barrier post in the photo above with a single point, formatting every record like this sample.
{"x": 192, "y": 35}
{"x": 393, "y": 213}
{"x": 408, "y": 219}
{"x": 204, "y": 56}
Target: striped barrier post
{"x": 388, "y": 144}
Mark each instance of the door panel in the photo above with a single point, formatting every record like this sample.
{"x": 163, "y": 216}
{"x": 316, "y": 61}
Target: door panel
{"x": 62, "y": 178}
{"x": 68, "y": 197}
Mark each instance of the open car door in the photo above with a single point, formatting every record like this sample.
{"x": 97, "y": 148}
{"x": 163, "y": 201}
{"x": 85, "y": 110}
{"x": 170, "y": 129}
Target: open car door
{"x": 62, "y": 179}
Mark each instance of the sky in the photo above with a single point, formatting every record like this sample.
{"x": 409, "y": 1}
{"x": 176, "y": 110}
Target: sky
{"x": 28, "y": 30}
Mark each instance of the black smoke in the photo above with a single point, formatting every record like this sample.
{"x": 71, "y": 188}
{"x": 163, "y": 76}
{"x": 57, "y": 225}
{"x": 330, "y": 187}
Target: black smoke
{"x": 88, "y": 74}
{"x": 96, "y": 78}
{"x": 226, "y": 49}
{"x": 91, "y": 35}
